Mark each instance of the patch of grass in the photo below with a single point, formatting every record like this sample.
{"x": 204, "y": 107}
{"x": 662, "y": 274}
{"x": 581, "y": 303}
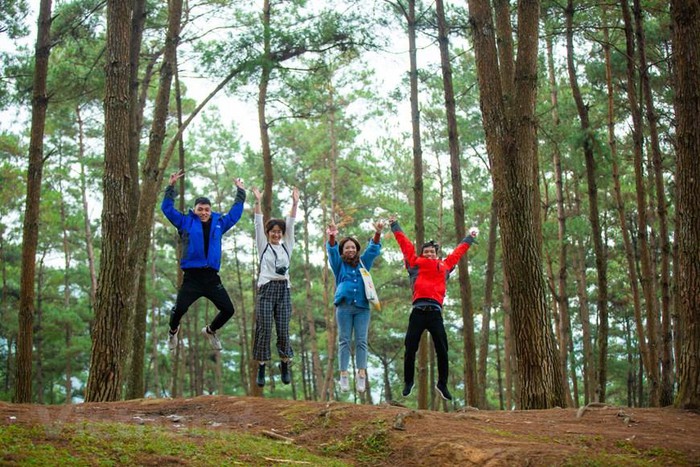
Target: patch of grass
{"x": 369, "y": 442}
{"x": 122, "y": 444}
{"x": 631, "y": 456}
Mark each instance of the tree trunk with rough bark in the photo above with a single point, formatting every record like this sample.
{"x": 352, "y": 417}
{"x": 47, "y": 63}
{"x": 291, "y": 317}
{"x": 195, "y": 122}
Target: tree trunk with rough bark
{"x": 114, "y": 287}
{"x": 686, "y": 57}
{"x": 510, "y": 140}
{"x": 30, "y": 227}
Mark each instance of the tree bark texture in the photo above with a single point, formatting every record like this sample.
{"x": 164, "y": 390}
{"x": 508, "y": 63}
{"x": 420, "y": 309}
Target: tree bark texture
{"x": 686, "y": 62}
{"x": 30, "y": 229}
{"x": 511, "y": 143}
{"x": 115, "y": 288}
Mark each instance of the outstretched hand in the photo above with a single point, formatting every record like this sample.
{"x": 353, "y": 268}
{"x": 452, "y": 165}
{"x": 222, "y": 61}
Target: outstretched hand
{"x": 239, "y": 184}
{"x": 378, "y": 226}
{"x": 332, "y": 229}
{"x": 257, "y": 194}
{"x": 295, "y": 195}
{"x": 176, "y": 176}
{"x": 392, "y": 218}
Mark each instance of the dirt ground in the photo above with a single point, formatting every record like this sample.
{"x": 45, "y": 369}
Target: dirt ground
{"x": 594, "y": 436}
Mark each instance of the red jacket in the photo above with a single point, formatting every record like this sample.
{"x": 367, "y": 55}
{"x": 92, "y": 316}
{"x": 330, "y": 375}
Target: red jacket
{"x": 428, "y": 276}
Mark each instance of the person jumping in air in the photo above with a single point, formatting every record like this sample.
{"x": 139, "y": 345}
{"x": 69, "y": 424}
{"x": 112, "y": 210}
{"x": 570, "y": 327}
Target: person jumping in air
{"x": 428, "y": 274}
{"x": 275, "y": 242}
{"x": 201, "y": 230}
{"x": 352, "y": 307}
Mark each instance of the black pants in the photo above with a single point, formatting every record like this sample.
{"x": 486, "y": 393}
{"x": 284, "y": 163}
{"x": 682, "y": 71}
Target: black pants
{"x": 202, "y": 283}
{"x": 423, "y": 318}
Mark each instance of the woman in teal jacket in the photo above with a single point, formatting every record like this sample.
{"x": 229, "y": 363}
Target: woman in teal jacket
{"x": 201, "y": 230}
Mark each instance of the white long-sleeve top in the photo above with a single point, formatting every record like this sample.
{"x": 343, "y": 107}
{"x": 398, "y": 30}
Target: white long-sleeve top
{"x": 267, "y": 257}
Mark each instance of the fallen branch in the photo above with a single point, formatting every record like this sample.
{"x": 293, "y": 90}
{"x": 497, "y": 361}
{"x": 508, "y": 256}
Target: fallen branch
{"x": 277, "y": 436}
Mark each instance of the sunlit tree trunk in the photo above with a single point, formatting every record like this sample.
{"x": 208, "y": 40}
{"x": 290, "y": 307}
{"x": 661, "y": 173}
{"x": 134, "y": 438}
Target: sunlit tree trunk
{"x": 686, "y": 56}
{"x": 30, "y": 226}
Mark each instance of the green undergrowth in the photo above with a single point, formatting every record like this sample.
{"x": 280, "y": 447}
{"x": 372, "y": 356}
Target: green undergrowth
{"x": 368, "y": 442}
{"x": 121, "y": 444}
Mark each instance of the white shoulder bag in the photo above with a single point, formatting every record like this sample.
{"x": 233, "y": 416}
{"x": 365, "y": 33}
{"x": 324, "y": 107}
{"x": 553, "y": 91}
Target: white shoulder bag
{"x": 370, "y": 291}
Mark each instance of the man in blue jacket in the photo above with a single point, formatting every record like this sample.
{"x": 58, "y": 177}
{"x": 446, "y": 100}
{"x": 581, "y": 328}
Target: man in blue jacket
{"x": 201, "y": 231}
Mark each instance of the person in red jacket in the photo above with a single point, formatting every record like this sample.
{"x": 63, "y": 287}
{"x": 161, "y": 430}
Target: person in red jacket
{"x": 428, "y": 274}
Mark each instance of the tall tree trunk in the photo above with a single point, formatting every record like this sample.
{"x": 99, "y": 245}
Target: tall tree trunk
{"x": 666, "y": 390}
{"x": 157, "y": 389}
{"x": 68, "y": 384}
{"x": 316, "y": 366}
{"x": 686, "y": 49}
{"x": 593, "y": 212}
{"x": 561, "y": 295}
{"x": 458, "y": 209}
{"x": 620, "y": 205}
{"x": 30, "y": 227}
{"x": 510, "y": 139}
{"x": 647, "y": 280}
{"x": 488, "y": 303}
{"x": 266, "y": 70}
{"x": 86, "y": 217}
{"x": 114, "y": 287}
{"x": 39, "y": 356}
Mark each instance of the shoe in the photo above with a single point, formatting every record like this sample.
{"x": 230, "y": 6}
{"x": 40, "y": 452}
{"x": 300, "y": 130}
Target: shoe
{"x": 172, "y": 339}
{"x": 407, "y": 388}
{"x": 361, "y": 383}
{"x": 442, "y": 390}
{"x": 344, "y": 383}
{"x": 260, "y": 380}
{"x": 211, "y": 336}
{"x": 284, "y": 371}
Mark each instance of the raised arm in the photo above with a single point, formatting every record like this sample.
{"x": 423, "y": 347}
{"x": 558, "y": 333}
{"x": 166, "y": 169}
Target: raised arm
{"x": 407, "y": 248}
{"x": 453, "y": 258}
{"x": 236, "y": 210}
{"x": 168, "y": 205}
{"x": 295, "y": 202}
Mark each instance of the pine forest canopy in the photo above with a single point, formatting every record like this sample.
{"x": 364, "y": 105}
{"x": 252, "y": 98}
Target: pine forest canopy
{"x": 560, "y": 129}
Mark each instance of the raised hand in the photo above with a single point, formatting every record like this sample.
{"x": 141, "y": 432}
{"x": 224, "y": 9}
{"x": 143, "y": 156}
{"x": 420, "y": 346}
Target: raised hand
{"x": 378, "y": 226}
{"x": 257, "y": 193}
{"x": 332, "y": 229}
{"x": 392, "y": 218}
{"x": 239, "y": 184}
{"x": 176, "y": 176}
{"x": 295, "y": 195}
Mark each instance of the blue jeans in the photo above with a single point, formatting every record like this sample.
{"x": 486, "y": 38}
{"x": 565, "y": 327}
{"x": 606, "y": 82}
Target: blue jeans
{"x": 351, "y": 318}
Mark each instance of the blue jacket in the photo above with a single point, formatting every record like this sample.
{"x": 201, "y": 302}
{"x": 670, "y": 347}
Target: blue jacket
{"x": 348, "y": 281}
{"x": 191, "y": 234}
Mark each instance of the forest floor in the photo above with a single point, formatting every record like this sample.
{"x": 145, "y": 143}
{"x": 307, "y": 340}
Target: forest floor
{"x": 350, "y": 434}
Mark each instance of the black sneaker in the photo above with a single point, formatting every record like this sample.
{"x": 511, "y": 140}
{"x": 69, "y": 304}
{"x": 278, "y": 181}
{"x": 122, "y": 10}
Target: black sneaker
{"x": 407, "y": 388}
{"x": 442, "y": 390}
{"x": 284, "y": 371}
{"x": 261, "y": 375}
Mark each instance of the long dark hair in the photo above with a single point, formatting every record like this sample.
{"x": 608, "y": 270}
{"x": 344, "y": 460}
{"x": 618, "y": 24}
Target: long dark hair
{"x": 355, "y": 260}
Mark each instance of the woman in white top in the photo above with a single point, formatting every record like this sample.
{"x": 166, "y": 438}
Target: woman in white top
{"x": 273, "y": 304}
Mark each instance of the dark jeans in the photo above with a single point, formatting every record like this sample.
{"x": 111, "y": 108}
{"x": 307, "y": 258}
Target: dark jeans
{"x": 423, "y": 318}
{"x": 202, "y": 283}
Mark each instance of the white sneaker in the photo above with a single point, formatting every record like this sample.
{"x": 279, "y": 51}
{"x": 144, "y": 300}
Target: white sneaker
{"x": 211, "y": 336}
{"x": 344, "y": 383}
{"x": 361, "y": 383}
{"x": 172, "y": 339}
